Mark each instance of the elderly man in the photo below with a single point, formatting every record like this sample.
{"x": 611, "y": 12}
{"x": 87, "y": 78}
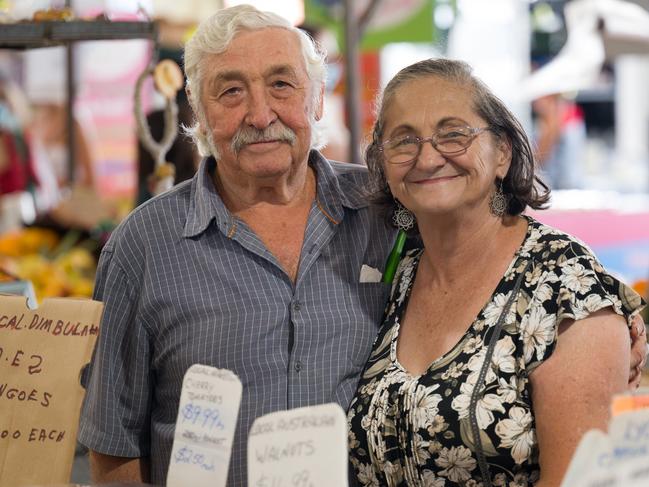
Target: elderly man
{"x": 254, "y": 265}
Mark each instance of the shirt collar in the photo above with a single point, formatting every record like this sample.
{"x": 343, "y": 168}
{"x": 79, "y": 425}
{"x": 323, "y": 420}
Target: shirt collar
{"x": 336, "y": 190}
{"x": 205, "y": 203}
{"x": 334, "y": 193}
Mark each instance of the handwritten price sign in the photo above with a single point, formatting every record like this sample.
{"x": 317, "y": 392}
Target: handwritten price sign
{"x": 305, "y": 447}
{"x": 617, "y": 459}
{"x": 207, "y": 418}
{"x": 42, "y": 352}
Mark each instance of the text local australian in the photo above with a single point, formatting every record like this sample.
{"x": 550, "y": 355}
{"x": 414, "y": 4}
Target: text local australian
{"x": 292, "y": 424}
{"x": 47, "y": 325}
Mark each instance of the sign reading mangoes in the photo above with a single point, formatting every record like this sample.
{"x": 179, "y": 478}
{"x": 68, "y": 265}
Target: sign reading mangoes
{"x": 42, "y": 352}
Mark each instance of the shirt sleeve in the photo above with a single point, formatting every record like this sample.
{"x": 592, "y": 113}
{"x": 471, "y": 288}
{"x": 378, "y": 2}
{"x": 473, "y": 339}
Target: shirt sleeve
{"x": 115, "y": 416}
{"x": 586, "y": 287}
{"x": 572, "y": 288}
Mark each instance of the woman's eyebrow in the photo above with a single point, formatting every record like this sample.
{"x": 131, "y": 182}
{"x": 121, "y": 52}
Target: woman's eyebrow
{"x": 404, "y": 127}
{"x": 447, "y": 120}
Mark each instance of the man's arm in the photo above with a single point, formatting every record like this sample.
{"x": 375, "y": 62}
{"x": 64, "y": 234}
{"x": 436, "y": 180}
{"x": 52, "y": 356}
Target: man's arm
{"x": 106, "y": 469}
{"x": 117, "y": 385}
{"x": 638, "y": 351}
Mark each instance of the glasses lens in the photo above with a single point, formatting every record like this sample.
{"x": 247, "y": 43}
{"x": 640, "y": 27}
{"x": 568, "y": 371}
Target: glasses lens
{"x": 401, "y": 149}
{"x": 451, "y": 140}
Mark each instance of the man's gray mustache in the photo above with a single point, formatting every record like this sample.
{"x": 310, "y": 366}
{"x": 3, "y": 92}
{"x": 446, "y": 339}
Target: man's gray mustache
{"x": 251, "y": 135}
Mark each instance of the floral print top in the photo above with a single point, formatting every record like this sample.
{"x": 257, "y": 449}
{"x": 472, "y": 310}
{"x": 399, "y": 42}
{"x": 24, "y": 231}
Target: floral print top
{"x": 416, "y": 431}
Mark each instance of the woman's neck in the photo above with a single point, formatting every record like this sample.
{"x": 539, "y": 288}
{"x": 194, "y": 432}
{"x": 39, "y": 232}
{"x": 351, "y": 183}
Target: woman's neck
{"x": 456, "y": 247}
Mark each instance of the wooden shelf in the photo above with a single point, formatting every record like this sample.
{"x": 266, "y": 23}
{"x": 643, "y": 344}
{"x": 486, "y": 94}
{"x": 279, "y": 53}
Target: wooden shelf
{"x": 31, "y": 35}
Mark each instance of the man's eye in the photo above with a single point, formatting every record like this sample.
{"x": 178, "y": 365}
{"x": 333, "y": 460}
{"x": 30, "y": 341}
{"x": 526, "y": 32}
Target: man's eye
{"x": 235, "y": 90}
{"x": 280, "y": 84}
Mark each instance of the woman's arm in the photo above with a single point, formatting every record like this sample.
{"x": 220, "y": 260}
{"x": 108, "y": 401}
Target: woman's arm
{"x": 572, "y": 390}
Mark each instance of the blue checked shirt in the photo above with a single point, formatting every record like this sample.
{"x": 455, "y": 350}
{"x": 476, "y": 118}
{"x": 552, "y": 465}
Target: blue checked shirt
{"x": 184, "y": 282}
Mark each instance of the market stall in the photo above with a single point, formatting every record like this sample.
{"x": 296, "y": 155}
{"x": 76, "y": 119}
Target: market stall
{"x": 49, "y": 246}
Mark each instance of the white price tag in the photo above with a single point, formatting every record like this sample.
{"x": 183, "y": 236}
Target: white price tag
{"x": 585, "y": 461}
{"x": 305, "y": 447}
{"x": 207, "y": 418}
{"x": 619, "y": 459}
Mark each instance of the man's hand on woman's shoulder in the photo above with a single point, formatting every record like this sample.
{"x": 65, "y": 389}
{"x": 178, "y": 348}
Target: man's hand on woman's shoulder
{"x": 638, "y": 351}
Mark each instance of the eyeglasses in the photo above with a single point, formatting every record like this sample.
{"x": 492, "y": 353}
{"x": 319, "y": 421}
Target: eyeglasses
{"x": 448, "y": 141}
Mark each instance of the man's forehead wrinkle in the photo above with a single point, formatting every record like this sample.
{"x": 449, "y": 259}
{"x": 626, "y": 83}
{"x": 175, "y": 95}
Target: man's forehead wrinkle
{"x": 239, "y": 75}
{"x": 280, "y": 69}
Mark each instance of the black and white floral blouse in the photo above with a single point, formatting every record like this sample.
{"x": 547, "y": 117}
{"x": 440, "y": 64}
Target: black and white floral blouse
{"x": 417, "y": 431}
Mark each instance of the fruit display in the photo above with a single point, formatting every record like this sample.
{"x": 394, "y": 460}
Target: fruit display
{"x": 56, "y": 266}
{"x": 53, "y": 14}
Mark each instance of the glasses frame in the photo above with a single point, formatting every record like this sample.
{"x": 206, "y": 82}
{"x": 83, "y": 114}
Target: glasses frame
{"x": 473, "y": 131}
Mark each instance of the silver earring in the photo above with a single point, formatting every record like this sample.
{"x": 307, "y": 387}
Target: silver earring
{"x": 402, "y": 217}
{"x": 498, "y": 201}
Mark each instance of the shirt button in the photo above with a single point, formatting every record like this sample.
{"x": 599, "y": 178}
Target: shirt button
{"x": 298, "y": 366}
{"x": 297, "y": 306}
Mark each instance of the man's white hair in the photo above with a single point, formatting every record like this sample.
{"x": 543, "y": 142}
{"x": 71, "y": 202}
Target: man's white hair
{"x": 214, "y": 35}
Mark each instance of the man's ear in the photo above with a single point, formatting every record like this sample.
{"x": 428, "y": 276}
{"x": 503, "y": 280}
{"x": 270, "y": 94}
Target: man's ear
{"x": 190, "y": 99}
{"x": 198, "y": 116}
{"x": 319, "y": 110}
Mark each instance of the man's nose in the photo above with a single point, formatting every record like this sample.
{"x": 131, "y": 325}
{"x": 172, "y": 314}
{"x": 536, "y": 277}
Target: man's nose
{"x": 260, "y": 111}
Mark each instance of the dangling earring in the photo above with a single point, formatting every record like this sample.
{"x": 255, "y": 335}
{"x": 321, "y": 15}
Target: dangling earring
{"x": 402, "y": 217}
{"x": 498, "y": 201}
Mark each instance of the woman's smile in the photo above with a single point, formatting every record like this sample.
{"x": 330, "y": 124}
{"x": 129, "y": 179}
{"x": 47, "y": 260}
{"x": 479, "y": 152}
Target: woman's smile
{"x": 435, "y": 179}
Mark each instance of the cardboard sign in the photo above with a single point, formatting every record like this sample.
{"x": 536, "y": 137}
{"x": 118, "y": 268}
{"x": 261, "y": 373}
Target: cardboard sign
{"x": 305, "y": 447}
{"x": 617, "y": 459}
{"x": 207, "y": 417}
{"x": 42, "y": 352}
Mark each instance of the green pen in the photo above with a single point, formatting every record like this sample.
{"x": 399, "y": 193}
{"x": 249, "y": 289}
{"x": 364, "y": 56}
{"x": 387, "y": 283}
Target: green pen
{"x": 393, "y": 259}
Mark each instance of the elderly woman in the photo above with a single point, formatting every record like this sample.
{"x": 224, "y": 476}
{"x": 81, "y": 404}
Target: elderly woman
{"x": 504, "y": 339}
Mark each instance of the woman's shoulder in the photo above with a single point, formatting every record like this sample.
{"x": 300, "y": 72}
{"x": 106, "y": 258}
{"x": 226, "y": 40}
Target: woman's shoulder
{"x": 548, "y": 244}
{"x": 568, "y": 280}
